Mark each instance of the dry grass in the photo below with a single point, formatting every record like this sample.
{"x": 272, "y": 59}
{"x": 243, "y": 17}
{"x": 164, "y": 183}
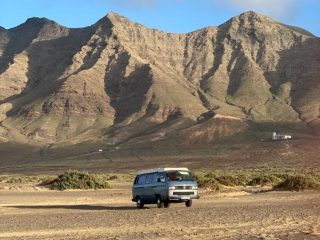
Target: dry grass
{"x": 299, "y": 183}
{"x": 24, "y": 179}
{"x": 215, "y": 180}
{"x": 285, "y": 179}
{"x": 79, "y": 180}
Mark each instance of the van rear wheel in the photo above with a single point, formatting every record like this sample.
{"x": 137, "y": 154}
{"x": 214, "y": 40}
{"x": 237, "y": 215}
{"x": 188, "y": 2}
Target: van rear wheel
{"x": 160, "y": 203}
{"x": 188, "y": 203}
{"x": 140, "y": 203}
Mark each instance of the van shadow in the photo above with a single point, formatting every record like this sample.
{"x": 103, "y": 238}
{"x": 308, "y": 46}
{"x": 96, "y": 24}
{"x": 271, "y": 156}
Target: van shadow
{"x": 75, "y": 207}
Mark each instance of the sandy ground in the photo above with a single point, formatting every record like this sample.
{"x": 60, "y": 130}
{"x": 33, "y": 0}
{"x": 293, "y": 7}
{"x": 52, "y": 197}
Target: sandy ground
{"x": 31, "y": 212}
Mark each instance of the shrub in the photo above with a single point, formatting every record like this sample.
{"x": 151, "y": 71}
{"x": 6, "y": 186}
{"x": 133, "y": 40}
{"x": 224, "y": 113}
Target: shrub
{"x": 211, "y": 175}
{"x": 113, "y": 177}
{"x": 46, "y": 181}
{"x": 267, "y": 179}
{"x": 233, "y": 180}
{"x": 209, "y": 183}
{"x": 79, "y": 180}
{"x": 2, "y": 179}
{"x": 289, "y": 179}
{"x": 227, "y": 180}
{"x": 299, "y": 183}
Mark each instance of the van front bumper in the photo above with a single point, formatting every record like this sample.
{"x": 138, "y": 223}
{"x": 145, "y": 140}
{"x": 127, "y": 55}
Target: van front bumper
{"x": 182, "y": 198}
{"x": 182, "y": 195}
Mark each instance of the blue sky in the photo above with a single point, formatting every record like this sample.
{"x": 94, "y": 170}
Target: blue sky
{"x": 168, "y": 15}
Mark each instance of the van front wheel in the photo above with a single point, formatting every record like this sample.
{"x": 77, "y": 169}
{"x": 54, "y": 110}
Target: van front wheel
{"x": 160, "y": 203}
{"x": 189, "y": 203}
{"x": 166, "y": 204}
{"x": 140, "y": 204}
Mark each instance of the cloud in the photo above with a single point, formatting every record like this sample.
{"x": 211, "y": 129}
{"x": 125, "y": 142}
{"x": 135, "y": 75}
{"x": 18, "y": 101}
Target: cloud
{"x": 283, "y": 9}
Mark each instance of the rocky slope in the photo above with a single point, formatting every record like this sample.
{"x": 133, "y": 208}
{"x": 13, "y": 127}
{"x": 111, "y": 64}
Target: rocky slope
{"x": 119, "y": 81}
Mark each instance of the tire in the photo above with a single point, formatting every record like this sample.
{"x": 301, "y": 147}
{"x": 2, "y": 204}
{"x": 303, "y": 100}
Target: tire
{"x": 188, "y": 203}
{"x": 160, "y": 203}
{"x": 166, "y": 204}
{"x": 140, "y": 203}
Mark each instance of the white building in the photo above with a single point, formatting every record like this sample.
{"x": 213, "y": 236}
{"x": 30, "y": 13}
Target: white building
{"x": 276, "y": 136}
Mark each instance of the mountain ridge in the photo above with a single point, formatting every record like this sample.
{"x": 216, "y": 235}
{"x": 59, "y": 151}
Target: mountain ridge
{"x": 62, "y": 84}
{"x": 116, "y": 15}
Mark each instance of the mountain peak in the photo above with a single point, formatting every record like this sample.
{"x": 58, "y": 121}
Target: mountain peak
{"x": 37, "y": 20}
{"x": 252, "y": 16}
{"x": 111, "y": 18}
{"x": 252, "y": 13}
{"x": 113, "y": 14}
{"x": 249, "y": 17}
{"x": 116, "y": 18}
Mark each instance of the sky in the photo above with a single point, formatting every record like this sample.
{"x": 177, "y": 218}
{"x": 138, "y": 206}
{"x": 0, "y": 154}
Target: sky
{"x": 178, "y": 16}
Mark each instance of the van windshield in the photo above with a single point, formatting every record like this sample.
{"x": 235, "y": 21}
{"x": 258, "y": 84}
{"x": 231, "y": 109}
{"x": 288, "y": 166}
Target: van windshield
{"x": 179, "y": 176}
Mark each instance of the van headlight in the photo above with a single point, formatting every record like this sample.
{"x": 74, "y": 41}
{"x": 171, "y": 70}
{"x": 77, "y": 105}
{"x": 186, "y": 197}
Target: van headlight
{"x": 194, "y": 187}
{"x": 172, "y": 188}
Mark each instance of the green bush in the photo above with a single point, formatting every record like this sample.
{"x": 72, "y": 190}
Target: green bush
{"x": 233, "y": 180}
{"x": 2, "y": 179}
{"x": 113, "y": 177}
{"x": 267, "y": 179}
{"x": 79, "y": 180}
{"x": 46, "y": 181}
{"x": 290, "y": 179}
{"x": 209, "y": 183}
{"x": 299, "y": 183}
{"x": 211, "y": 175}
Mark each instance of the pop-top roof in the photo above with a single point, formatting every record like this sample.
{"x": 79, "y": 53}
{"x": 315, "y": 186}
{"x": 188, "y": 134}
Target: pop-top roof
{"x": 161, "y": 170}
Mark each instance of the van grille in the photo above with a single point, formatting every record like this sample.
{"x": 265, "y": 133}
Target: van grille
{"x": 183, "y": 193}
{"x": 183, "y": 187}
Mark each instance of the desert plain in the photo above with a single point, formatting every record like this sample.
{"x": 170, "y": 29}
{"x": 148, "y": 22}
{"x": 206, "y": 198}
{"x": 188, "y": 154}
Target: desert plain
{"x": 33, "y": 212}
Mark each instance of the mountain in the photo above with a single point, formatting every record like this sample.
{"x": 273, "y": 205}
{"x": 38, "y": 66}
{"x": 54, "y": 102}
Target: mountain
{"x": 119, "y": 82}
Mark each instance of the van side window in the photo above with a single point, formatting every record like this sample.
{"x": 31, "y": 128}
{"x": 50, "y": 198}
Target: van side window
{"x": 150, "y": 178}
{"x": 142, "y": 179}
{"x": 136, "y": 180}
{"x": 154, "y": 177}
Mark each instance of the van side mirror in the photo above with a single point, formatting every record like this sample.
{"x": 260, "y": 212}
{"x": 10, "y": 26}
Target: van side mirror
{"x": 161, "y": 179}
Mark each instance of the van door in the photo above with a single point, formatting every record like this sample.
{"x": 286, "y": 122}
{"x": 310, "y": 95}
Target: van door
{"x": 150, "y": 187}
{"x": 161, "y": 185}
{"x": 138, "y": 187}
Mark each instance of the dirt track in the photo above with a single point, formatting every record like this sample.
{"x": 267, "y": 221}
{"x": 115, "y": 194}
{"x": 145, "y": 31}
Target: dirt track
{"x": 36, "y": 213}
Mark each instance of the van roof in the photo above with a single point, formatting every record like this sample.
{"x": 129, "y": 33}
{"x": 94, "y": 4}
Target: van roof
{"x": 161, "y": 170}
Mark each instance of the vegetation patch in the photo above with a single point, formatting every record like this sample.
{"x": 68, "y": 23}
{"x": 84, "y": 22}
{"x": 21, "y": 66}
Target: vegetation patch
{"x": 233, "y": 180}
{"x": 265, "y": 179}
{"x": 209, "y": 183}
{"x": 22, "y": 179}
{"x": 215, "y": 180}
{"x": 285, "y": 179}
{"x": 113, "y": 177}
{"x": 299, "y": 183}
{"x": 79, "y": 180}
